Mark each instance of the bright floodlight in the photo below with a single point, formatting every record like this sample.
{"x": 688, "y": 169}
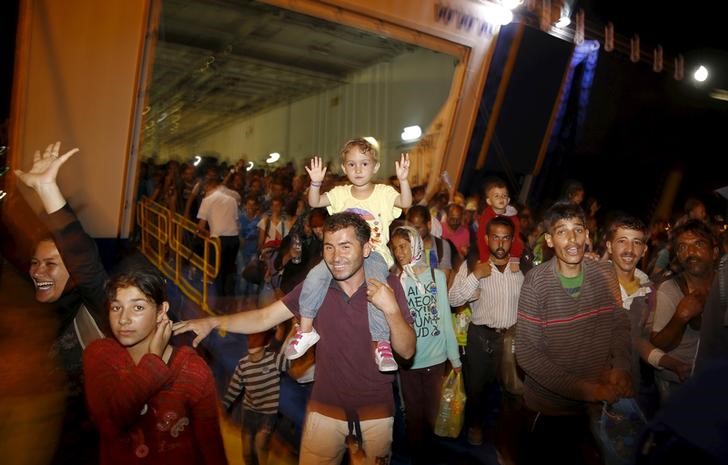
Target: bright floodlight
{"x": 563, "y": 22}
{"x": 497, "y": 14}
{"x": 411, "y": 133}
{"x": 273, "y": 157}
{"x": 701, "y": 74}
{"x": 249, "y": 166}
{"x": 197, "y": 161}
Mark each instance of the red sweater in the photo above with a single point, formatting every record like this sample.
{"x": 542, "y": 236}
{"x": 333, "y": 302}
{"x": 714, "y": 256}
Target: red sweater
{"x": 516, "y": 246}
{"x": 152, "y": 413}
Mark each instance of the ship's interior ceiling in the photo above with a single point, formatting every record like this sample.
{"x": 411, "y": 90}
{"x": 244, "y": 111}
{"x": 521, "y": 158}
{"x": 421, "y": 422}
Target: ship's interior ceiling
{"x": 216, "y": 61}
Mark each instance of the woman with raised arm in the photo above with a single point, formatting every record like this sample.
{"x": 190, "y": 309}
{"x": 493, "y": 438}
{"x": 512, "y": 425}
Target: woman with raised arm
{"x": 67, "y": 272}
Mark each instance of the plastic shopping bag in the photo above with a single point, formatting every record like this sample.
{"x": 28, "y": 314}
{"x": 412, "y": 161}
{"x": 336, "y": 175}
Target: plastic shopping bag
{"x": 617, "y": 429}
{"x": 451, "y": 414}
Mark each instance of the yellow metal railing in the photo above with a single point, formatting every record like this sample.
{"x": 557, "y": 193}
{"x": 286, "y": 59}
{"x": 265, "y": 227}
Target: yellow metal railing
{"x": 167, "y": 240}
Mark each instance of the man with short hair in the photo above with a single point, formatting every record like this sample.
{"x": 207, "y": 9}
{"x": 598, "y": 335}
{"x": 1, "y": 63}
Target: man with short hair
{"x": 455, "y": 230}
{"x": 350, "y": 397}
{"x": 219, "y": 210}
{"x": 248, "y": 220}
{"x": 492, "y": 288}
{"x": 573, "y": 342}
{"x": 627, "y": 244}
{"x": 680, "y": 300}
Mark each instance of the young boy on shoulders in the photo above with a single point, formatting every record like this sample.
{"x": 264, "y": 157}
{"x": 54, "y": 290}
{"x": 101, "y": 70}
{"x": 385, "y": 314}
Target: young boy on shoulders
{"x": 379, "y": 205}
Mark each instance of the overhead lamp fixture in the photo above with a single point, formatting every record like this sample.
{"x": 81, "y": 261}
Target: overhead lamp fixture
{"x": 249, "y": 166}
{"x": 273, "y": 157}
{"x": 701, "y": 74}
{"x": 411, "y": 133}
{"x": 499, "y": 14}
{"x": 198, "y": 160}
{"x": 563, "y": 22}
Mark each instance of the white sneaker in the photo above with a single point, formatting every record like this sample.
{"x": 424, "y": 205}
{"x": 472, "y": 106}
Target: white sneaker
{"x": 384, "y": 357}
{"x": 300, "y": 343}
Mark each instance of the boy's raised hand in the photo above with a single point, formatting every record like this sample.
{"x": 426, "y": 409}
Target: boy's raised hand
{"x": 402, "y": 167}
{"x": 317, "y": 171}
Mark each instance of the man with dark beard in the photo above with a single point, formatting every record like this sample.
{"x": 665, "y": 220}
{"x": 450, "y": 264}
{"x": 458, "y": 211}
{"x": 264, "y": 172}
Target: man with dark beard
{"x": 493, "y": 288}
{"x": 680, "y": 300}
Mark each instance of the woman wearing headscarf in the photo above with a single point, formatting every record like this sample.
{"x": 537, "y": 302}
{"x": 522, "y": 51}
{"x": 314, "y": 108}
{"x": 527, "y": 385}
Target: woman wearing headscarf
{"x": 426, "y": 292}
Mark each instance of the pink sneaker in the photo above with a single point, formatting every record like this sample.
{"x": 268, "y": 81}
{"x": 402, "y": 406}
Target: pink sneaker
{"x": 301, "y": 343}
{"x": 384, "y": 357}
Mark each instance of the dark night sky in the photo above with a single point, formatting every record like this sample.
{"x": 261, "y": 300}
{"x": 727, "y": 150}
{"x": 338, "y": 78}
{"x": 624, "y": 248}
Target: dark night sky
{"x": 641, "y": 125}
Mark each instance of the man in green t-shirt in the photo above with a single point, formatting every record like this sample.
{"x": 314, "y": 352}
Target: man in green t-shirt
{"x": 573, "y": 342}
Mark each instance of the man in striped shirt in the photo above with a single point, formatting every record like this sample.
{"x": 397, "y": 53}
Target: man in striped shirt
{"x": 493, "y": 290}
{"x": 573, "y": 342}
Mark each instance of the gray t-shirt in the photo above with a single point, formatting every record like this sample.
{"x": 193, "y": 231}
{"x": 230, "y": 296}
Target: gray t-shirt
{"x": 668, "y": 296}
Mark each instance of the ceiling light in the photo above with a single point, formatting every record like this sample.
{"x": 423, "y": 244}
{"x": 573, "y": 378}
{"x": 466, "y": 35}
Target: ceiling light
{"x": 198, "y": 160}
{"x": 701, "y": 74}
{"x": 563, "y": 22}
{"x": 411, "y": 133}
{"x": 273, "y": 157}
{"x": 2, "y": 194}
{"x": 497, "y": 14}
{"x": 249, "y": 166}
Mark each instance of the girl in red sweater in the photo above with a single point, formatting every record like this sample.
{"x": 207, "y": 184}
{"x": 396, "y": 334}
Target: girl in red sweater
{"x": 153, "y": 403}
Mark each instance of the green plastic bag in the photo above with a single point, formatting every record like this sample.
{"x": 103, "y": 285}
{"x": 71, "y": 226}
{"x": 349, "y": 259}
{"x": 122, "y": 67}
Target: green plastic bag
{"x": 451, "y": 414}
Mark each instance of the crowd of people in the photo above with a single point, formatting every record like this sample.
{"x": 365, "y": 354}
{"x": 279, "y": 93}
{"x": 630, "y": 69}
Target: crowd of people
{"x": 391, "y": 287}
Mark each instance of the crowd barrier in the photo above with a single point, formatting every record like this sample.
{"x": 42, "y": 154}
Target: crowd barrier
{"x": 172, "y": 244}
